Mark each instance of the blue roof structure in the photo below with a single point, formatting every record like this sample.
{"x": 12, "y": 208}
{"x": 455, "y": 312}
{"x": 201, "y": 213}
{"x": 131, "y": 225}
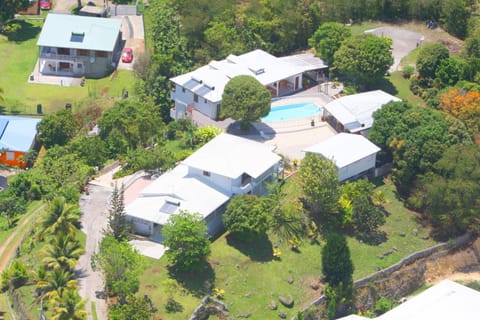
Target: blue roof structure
{"x": 78, "y": 32}
{"x": 17, "y": 133}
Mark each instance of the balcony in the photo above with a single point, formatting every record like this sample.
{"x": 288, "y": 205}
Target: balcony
{"x": 242, "y": 189}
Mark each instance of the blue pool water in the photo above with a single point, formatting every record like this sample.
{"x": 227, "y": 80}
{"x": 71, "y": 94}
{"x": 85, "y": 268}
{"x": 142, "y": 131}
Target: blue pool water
{"x": 292, "y": 111}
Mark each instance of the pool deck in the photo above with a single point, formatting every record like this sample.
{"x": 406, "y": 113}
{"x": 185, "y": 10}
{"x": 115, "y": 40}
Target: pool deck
{"x": 289, "y": 137}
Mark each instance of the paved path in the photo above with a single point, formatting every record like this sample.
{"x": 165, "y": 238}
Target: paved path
{"x": 94, "y": 221}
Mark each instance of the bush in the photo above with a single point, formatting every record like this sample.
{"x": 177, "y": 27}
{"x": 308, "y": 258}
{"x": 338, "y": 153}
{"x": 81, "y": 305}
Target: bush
{"x": 5, "y": 280}
{"x": 18, "y": 274}
{"x": 408, "y": 71}
{"x": 383, "y": 305}
{"x": 246, "y": 217}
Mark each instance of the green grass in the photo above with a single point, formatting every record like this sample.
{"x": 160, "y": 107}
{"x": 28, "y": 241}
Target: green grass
{"x": 19, "y": 53}
{"x": 402, "y": 86}
{"x": 251, "y": 277}
{"x": 359, "y": 28}
{"x": 93, "y": 306}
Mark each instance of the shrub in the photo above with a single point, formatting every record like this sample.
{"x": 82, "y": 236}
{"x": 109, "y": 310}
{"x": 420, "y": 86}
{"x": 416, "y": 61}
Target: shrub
{"x": 383, "y": 305}
{"x": 408, "y": 71}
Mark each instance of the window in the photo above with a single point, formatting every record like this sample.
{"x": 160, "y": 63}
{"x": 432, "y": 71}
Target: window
{"x": 63, "y": 51}
{"x": 10, "y": 155}
{"x": 206, "y": 173}
{"x": 195, "y": 97}
{"x": 183, "y": 89}
{"x": 101, "y": 54}
{"x": 77, "y": 36}
{"x": 79, "y": 66}
{"x": 205, "y": 100}
{"x": 83, "y": 53}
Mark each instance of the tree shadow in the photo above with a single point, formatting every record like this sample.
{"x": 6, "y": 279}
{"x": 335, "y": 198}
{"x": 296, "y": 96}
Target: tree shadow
{"x": 26, "y": 31}
{"x": 384, "y": 84}
{"x": 197, "y": 282}
{"x": 372, "y": 239}
{"x": 258, "y": 249}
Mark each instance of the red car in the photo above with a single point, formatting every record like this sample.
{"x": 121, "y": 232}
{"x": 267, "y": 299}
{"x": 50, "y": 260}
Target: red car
{"x": 45, "y": 4}
{"x": 127, "y": 55}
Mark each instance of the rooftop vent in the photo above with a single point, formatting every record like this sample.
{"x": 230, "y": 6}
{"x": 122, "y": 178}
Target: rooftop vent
{"x": 196, "y": 79}
{"x": 257, "y": 71}
{"x": 209, "y": 86}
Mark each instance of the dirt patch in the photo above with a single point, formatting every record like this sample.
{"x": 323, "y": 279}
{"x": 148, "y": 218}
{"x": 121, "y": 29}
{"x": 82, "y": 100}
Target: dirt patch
{"x": 104, "y": 92}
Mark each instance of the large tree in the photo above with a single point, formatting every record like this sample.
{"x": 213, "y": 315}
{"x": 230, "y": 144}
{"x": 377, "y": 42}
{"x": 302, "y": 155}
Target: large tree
{"x": 57, "y": 129}
{"x": 118, "y": 226}
{"x": 185, "y": 235}
{"x": 320, "y": 185}
{"x": 246, "y": 217}
{"x": 11, "y": 206}
{"x": 121, "y": 266}
{"x": 245, "y": 99}
{"x": 8, "y": 8}
{"x": 429, "y": 58}
{"x": 364, "y": 58}
{"x": 328, "y": 38}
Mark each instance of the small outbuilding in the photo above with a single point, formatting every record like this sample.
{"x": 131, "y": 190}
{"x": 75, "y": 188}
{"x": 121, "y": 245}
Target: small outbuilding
{"x": 17, "y": 137}
{"x": 354, "y": 113}
{"x": 353, "y": 154}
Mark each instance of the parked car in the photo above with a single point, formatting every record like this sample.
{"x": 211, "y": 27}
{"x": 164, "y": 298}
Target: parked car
{"x": 45, "y": 4}
{"x": 127, "y": 55}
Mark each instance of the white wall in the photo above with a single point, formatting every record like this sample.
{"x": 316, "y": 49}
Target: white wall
{"x": 207, "y": 108}
{"x": 217, "y": 180}
{"x": 357, "y": 167}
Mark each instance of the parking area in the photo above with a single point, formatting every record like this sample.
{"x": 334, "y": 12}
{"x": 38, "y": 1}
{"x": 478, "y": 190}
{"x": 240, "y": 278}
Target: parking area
{"x": 133, "y": 36}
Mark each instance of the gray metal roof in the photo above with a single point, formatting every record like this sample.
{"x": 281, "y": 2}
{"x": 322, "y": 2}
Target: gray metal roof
{"x": 90, "y": 33}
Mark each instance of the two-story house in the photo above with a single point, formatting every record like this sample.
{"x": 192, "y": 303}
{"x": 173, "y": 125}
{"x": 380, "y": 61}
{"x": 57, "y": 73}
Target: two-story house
{"x": 78, "y": 46}
{"x": 204, "y": 183}
{"x": 202, "y": 89}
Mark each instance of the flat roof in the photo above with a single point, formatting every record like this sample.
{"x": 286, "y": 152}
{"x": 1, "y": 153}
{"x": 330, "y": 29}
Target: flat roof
{"x": 17, "y": 133}
{"x": 307, "y": 61}
{"x": 79, "y": 32}
{"x": 355, "y": 112}
{"x": 344, "y": 148}
{"x": 210, "y": 80}
{"x": 172, "y": 192}
{"x": 231, "y": 156}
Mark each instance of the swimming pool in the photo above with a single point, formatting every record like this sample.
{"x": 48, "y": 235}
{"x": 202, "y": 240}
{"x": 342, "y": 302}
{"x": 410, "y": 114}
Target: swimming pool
{"x": 292, "y": 111}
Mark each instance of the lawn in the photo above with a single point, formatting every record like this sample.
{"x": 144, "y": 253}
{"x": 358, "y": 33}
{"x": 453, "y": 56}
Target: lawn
{"x": 251, "y": 278}
{"x": 19, "y": 52}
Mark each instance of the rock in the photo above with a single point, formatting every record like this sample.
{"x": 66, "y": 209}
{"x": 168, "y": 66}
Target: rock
{"x": 282, "y": 315}
{"x": 244, "y": 315}
{"x": 415, "y": 232}
{"x": 425, "y": 237}
{"x": 380, "y": 256}
{"x": 287, "y": 301}
{"x": 377, "y": 268}
{"x": 290, "y": 280}
{"x": 402, "y": 234}
{"x": 272, "y": 305}
{"x": 314, "y": 285}
{"x": 395, "y": 248}
{"x": 248, "y": 294}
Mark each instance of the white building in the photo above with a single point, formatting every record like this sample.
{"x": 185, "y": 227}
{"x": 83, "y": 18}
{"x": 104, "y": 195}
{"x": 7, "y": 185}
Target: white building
{"x": 446, "y": 300}
{"x": 354, "y": 113}
{"x": 204, "y": 183}
{"x": 352, "y": 154}
{"x": 202, "y": 88}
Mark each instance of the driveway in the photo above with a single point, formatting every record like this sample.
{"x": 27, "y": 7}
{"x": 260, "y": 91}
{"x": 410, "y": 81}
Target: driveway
{"x": 404, "y": 41}
{"x": 94, "y": 220}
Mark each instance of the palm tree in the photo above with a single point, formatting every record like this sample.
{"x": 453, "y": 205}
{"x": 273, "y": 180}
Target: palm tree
{"x": 60, "y": 218}
{"x": 55, "y": 284}
{"x": 62, "y": 253}
{"x": 69, "y": 307}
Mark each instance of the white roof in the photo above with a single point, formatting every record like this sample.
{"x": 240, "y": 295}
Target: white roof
{"x": 79, "y": 32}
{"x": 172, "y": 192}
{"x": 210, "y": 80}
{"x": 344, "y": 148}
{"x": 446, "y": 300}
{"x": 307, "y": 61}
{"x": 231, "y": 156}
{"x": 355, "y": 111}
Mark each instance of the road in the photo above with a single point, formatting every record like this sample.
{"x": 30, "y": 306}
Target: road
{"x": 94, "y": 220}
{"x": 65, "y": 6}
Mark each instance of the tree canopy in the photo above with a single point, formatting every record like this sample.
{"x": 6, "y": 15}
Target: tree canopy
{"x": 8, "y": 8}
{"x": 320, "y": 185}
{"x": 246, "y": 216}
{"x": 245, "y": 99}
{"x": 364, "y": 58}
{"x": 328, "y": 38}
{"x": 185, "y": 235}
{"x": 57, "y": 129}
{"x": 429, "y": 59}
{"x": 337, "y": 265}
